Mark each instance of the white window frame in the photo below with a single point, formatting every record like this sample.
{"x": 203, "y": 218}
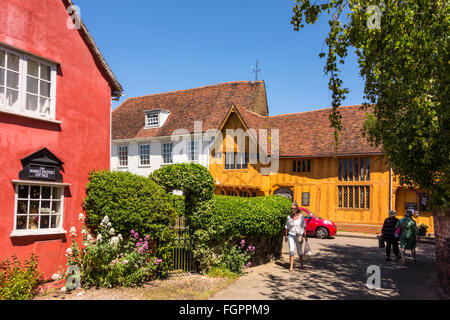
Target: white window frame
{"x": 151, "y": 116}
{"x": 20, "y": 109}
{"x": 27, "y": 232}
{"x": 140, "y": 155}
{"x": 193, "y": 155}
{"x": 164, "y": 152}
{"x": 119, "y": 155}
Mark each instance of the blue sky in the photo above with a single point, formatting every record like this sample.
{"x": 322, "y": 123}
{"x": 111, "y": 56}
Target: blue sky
{"x": 160, "y": 46}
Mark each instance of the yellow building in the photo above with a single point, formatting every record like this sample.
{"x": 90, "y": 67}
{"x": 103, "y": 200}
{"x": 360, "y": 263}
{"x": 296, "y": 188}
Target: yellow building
{"x": 352, "y": 186}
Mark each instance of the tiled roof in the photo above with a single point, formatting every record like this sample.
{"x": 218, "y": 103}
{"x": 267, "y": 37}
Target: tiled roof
{"x": 208, "y": 104}
{"x": 308, "y": 134}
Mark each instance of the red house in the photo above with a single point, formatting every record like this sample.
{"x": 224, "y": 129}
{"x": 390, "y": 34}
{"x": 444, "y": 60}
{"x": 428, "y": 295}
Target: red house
{"x": 55, "y": 114}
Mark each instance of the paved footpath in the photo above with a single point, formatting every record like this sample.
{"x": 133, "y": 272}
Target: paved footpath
{"x": 338, "y": 270}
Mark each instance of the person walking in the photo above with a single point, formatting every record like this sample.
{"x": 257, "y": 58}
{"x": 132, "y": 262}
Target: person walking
{"x": 295, "y": 234}
{"x": 408, "y": 235}
{"x": 388, "y": 235}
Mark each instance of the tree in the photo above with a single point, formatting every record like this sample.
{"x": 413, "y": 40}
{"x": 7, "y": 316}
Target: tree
{"x": 403, "y": 54}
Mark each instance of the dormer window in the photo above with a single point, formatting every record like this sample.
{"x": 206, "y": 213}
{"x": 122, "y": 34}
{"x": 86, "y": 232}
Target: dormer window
{"x": 155, "y": 118}
{"x": 152, "y": 119}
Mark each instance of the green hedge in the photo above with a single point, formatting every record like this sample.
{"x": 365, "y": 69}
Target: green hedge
{"x": 244, "y": 217}
{"x": 221, "y": 223}
{"x": 130, "y": 201}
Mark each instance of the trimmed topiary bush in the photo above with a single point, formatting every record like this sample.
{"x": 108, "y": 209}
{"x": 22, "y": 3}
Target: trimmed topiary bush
{"x": 131, "y": 202}
{"x": 193, "y": 179}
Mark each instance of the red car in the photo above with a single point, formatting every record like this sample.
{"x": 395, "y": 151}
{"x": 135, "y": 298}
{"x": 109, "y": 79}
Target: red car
{"x": 317, "y": 226}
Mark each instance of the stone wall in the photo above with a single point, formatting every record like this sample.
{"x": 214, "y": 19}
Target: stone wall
{"x": 441, "y": 217}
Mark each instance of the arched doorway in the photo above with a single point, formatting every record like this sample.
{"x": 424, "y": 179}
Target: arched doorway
{"x": 285, "y": 192}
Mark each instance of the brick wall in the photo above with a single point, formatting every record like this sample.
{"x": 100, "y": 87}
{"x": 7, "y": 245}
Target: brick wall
{"x": 363, "y": 228}
{"x": 441, "y": 217}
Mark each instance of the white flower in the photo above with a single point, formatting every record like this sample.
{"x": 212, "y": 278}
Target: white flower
{"x": 109, "y": 224}
{"x": 63, "y": 289}
{"x": 99, "y": 237}
{"x": 55, "y": 276}
{"x": 112, "y": 231}
{"x": 114, "y": 241}
{"x": 84, "y": 231}
{"x": 120, "y": 237}
{"x": 81, "y": 217}
{"x": 89, "y": 237}
{"x": 69, "y": 251}
{"x": 73, "y": 231}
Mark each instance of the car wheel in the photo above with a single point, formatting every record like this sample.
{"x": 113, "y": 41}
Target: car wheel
{"x": 322, "y": 233}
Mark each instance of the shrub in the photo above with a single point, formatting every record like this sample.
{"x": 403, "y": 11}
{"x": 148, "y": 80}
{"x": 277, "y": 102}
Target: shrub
{"x": 193, "y": 179}
{"x": 19, "y": 281}
{"x": 221, "y": 223}
{"x": 130, "y": 201}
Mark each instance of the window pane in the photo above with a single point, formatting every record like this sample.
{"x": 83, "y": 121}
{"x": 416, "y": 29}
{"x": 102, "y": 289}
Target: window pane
{"x": 55, "y": 221}
{"x": 32, "y": 103}
{"x": 23, "y": 192}
{"x": 45, "y": 89}
{"x": 368, "y": 169}
{"x": 56, "y": 207}
{"x": 33, "y": 68}
{"x": 21, "y": 223}
{"x": 356, "y": 197}
{"x": 345, "y": 169}
{"x": 57, "y": 193}
{"x": 32, "y": 85}
{"x": 367, "y": 197}
{"x": 2, "y": 77}
{"x": 45, "y": 222}
{"x": 350, "y": 169}
{"x": 350, "y": 196}
{"x": 340, "y": 196}
{"x": 304, "y": 166}
{"x": 44, "y": 106}
{"x": 13, "y": 62}
{"x": 2, "y": 58}
{"x": 12, "y": 98}
{"x": 345, "y": 197}
{"x": 46, "y": 192}
{"x": 361, "y": 197}
{"x": 2, "y": 95}
{"x": 361, "y": 169}
{"x": 12, "y": 80}
{"x": 35, "y": 192}
{"x": 45, "y": 207}
{"x": 294, "y": 165}
{"x": 45, "y": 72}
{"x": 33, "y": 222}
{"x": 340, "y": 169}
{"x": 22, "y": 206}
{"x": 356, "y": 169}
{"x": 308, "y": 169}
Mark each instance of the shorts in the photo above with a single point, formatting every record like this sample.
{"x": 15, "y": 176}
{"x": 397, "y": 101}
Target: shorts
{"x": 294, "y": 243}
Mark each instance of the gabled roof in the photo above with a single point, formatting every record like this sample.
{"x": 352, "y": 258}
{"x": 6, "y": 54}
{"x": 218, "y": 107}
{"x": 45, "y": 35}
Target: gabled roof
{"x": 209, "y": 104}
{"x": 116, "y": 87}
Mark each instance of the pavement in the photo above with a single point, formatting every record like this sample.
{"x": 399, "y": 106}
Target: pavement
{"x": 338, "y": 271}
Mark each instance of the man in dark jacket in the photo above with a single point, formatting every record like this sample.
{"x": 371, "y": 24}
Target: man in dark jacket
{"x": 388, "y": 234}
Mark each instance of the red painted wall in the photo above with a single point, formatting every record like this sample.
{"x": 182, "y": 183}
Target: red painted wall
{"x": 81, "y": 141}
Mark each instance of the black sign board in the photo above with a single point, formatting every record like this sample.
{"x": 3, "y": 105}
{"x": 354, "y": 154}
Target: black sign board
{"x": 42, "y": 172}
{"x": 305, "y": 199}
{"x": 41, "y": 165}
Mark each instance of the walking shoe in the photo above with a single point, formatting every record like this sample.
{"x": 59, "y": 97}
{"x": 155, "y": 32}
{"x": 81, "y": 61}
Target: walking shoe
{"x": 397, "y": 258}
{"x": 387, "y": 259}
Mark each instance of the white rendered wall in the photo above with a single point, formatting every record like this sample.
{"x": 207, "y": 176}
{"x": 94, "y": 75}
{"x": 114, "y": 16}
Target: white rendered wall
{"x": 156, "y": 158}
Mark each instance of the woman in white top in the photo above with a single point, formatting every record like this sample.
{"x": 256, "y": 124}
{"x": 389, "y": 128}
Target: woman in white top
{"x": 295, "y": 226}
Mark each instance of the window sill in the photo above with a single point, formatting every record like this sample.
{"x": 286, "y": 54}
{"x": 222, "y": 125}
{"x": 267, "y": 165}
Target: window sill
{"x": 41, "y": 183}
{"x": 24, "y": 115}
{"x": 28, "y": 233}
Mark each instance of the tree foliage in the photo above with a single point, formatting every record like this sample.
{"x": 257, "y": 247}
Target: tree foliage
{"x": 404, "y": 62}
